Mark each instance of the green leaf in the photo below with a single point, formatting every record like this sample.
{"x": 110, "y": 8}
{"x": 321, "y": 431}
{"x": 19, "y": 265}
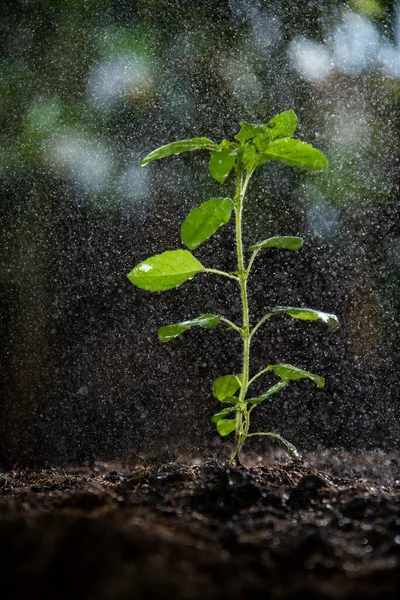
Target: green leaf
{"x": 226, "y": 426}
{"x": 169, "y": 332}
{"x": 227, "y": 144}
{"x": 248, "y": 131}
{"x": 230, "y": 400}
{"x": 296, "y": 154}
{"x": 272, "y": 390}
{"x": 308, "y": 314}
{"x": 281, "y": 126}
{"x": 252, "y": 159}
{"x": 221, "y": 163}
{"x": 201, "y": 223}
{"x": 279, "y": 241}
{"x": 226, "y": 386}
{"x": 290, "y": 373}
{"x": 223, "y": 413}
{"x": 165, "y": 271}
{"x": 179, "y": 147}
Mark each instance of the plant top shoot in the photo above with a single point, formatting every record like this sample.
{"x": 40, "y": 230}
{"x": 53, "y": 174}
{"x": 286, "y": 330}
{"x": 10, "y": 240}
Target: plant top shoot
{"x": 253, "y": 146}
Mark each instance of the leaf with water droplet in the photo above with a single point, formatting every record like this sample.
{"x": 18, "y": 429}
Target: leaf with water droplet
{"x": 248, "y": 131}
{"x": 286, "y": 242}
{"x": 272, "y": 390}
{"x": 226, "y": 426}
{"x": 221, "y": 163}
{"x": 201, "y": 223}
{"x": 226, "y": 386}
{"x": 308, "y": 314}
{"x": 291, "y": 373}
{"x": 296, "y": 154}
{"x": 282, "y": 125}
{"x": 165, "y": 271}
{"x": 178, "y": 147}
{"x": 169, "y": 332}
{"x": 223, "y": 413}
{"x": 252, "y": 159}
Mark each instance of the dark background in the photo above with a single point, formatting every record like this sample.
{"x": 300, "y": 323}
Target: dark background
{"x": 87, "y": 88}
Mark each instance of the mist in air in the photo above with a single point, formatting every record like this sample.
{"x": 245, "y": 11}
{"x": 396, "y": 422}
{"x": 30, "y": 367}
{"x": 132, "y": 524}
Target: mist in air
{"x": 87, "y": 89}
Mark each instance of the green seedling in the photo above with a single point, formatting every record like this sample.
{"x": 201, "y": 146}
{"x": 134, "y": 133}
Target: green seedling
{"x": 254, "y": 145}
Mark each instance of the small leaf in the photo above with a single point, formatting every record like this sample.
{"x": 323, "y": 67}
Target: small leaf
{"x": 223, "y": 413}
{"x": 281, "y": 126}
{"x": 272, "y": 390}
{"x": 290, "y": 373}
{"x": 179, "y": 147}
{"x": 234, "y": 400}
{"x": 226, "y": 426}
{"x": 252, "y": 159}
{"x": 169, "y": 332}
{"x": 248, "y": 131}
{"x": 257, "y": 161}
{"x": 165, "y": 271}
{"x": 227, "y": 144}
{"x": 221, "y": 163}
{"x": 308, "y": 314}
{"x": 226, "y": 386}
{"x": 286, "y": 242}
{"x": 296, "y": 154}
{"x": 249, "y": 152}
{"x": 201, "y": 223}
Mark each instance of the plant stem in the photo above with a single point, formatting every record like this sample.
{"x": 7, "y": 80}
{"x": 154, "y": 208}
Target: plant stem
{"x": 242, "y": 418}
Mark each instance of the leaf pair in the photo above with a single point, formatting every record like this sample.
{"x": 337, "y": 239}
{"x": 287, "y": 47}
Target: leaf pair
{"x": 172, "y": 268}
{"x": 258, "y": 143}
{"x": 209, "y": 321}
{"x": 224, "y": 386}
{"x": 221, "y": 162}
{"x": 273, "y": 141}
{"x": 223, "y": 390}
{"x": 282, "y": 125}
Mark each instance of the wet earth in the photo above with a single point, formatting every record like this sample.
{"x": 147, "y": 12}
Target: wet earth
{"x": 188, "y": 529}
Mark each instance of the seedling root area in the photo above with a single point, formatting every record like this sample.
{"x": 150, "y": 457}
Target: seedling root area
{"x": 325, "y": 528}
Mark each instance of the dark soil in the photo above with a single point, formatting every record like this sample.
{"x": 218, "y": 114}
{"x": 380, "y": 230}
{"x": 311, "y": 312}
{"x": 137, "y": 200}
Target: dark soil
{"x": 326, "y": 528}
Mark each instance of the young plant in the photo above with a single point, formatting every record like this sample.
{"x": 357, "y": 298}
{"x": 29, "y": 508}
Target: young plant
{"x": 254, "y": 146}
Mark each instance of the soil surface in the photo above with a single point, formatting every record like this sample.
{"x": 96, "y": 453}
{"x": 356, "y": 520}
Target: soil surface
{"x": 325, "y": 528}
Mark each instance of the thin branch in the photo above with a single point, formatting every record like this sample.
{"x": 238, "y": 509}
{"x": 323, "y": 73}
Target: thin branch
{"x": 249, "y": 266}
{"x": 292, "y": 451}
{"x": 217, "y": 272}
{"x": 235, "y": 327}
{"x": 261, "y": 322}
{"x": 258, "y": 375}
